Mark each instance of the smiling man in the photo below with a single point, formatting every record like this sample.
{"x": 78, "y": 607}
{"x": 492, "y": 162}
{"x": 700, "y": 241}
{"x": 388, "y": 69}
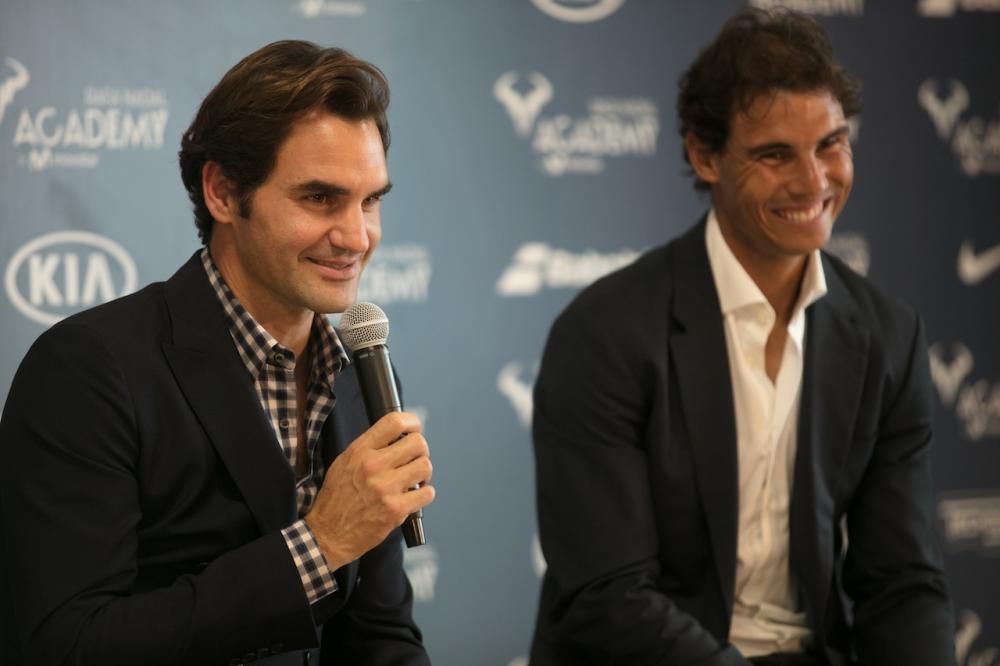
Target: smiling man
{"x": 211, "y": 491}
{"x": 732, "y": 434}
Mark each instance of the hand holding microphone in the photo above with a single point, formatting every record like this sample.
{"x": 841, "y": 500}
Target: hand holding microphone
{"x": 380, "y": 481}
{"x": 365, "y": 329}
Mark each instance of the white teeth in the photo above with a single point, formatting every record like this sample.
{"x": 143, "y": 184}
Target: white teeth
{"x": 801, "y": 215}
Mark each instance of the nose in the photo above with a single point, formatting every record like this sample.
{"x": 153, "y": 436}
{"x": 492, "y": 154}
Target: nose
{"x": 810, "y": 177}
{"x": 349, "y": 232}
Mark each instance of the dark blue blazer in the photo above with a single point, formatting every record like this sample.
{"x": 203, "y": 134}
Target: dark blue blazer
{"x": 143, "y": 493}
{"x": 635, "y": 445}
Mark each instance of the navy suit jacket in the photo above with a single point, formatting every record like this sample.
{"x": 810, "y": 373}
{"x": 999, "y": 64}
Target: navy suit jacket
{"x": 143, "y": 492}
{"x": 635, "y": 445}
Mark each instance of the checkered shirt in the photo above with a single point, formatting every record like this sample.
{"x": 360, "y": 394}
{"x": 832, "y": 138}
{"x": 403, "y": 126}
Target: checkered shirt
{"x": 272, "y": 369}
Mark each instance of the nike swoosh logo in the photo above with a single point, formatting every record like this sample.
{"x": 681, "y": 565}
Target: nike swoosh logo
{"x": 974, "y": 268}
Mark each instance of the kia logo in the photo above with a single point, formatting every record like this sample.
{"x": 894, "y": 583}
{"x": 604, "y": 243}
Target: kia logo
{"x": 64, "y": 272}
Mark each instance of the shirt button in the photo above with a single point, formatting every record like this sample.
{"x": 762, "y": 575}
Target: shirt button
{"x": 284, "y": 424}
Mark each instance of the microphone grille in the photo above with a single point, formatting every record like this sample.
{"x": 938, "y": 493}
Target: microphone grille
{"x": 364, "y": 325}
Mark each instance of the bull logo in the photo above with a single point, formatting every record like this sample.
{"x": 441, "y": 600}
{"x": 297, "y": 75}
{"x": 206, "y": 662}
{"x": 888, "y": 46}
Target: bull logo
{"x": 12, "y": 84}
{"x": 523, "y": 109}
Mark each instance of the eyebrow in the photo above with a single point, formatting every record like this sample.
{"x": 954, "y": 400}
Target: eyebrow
{"x": 779, "y": 145}
{"x": 331, "y": 190}
{"x": 381, "y": 193}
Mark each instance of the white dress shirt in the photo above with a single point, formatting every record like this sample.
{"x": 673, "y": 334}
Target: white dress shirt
{"x": 767, "y": 617}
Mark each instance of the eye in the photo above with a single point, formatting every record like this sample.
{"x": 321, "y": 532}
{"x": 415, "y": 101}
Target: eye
{"x": 317, "y": 198}
{"x": 837, "y": 141}
{"x": 373, "y": 200}
{"x": 774, "y": 156}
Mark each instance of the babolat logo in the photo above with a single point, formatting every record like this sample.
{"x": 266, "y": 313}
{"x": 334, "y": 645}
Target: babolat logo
{"x": 421, "y": 566}
{"x": 815, "y": 7}
{"x": 397, "y": 274}
{"x": 613, "y": 127}
{"x": 945, "y": 8}
{"x": 852, "y": 249}
{"x": 976, "y": 403}
{"x": 536, "y": 265}
{"x": 64, "y": 272}
{"x": 975, "y": 141}
{"x": 579, "y": 11}
{"x": 314, "y": 8}
{"x": 967, "y": 653}
{"x": 971, "y": 521}
{"x": 516, "y": 382}
{"x": 108, "y": 119}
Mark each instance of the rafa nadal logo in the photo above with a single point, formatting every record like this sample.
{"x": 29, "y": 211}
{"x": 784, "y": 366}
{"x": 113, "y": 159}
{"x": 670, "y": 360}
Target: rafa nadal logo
{"x": 523, "y": 109}
{"x": 976, "y": 403}
{"x": 948, "y": 375}
{"x": 974, "y": 139}
{"x": 513, "y": 383}
{"x": 944, "y": 111}
{"x": 12, "y": 84}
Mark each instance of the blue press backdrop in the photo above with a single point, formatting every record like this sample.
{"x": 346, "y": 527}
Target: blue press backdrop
{"x": 534, "y": 149}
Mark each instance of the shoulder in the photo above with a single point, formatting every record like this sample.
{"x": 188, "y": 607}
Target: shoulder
{"x": 630, "y": 294}
{"x": 118, "y": 323}
{"x": 889, "y": 321}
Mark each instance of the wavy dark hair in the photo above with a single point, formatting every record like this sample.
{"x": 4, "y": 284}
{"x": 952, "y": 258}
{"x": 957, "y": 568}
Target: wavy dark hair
{"x": 758, "y": 52}
{"x": 248, "y": 114}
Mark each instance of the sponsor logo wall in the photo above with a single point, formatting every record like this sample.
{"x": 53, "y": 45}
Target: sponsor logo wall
{"x": 975, "y": 140}
{"x": 105, "y": 119}
{"x": 523, "y": 175}
{"x": 67, "y": 271}
{"x": 579, "y": 143}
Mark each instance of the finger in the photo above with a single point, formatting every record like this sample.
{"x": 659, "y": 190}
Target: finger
{"x": 418, "y": 471}
{"x": 403, "y": 451}
{"x": 388, "y": 429}
{"x": 414, "y": 500}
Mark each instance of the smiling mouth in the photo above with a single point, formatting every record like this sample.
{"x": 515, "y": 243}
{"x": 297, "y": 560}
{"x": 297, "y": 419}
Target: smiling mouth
{"x": 803, "y": 214}
{"x": 337, "y": 268}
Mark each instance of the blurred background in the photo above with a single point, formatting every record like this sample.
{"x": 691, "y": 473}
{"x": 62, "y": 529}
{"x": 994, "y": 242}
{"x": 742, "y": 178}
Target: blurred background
{"x": 534, "y": 148}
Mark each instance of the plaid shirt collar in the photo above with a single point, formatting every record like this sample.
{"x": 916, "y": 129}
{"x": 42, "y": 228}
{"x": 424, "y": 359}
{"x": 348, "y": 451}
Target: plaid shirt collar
{"x": 257, "y": 347}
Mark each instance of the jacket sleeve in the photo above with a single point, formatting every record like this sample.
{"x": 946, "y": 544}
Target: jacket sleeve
{"x": 892, "y": 569}
{"x": 72, "y": 518}
{"x": 602, "y": 599}
{"x": 375, "y": 626}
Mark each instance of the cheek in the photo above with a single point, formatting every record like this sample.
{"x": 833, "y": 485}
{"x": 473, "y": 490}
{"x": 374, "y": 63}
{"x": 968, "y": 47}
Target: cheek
{"x": 842, "y": 168}
{"x": 373, "y": 227}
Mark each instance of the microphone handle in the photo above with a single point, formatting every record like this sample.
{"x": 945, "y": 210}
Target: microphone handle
{"x": 380, "y": 395}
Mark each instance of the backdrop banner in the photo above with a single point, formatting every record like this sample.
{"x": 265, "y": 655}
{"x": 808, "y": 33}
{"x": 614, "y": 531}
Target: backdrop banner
{"x": 535, "y": 148}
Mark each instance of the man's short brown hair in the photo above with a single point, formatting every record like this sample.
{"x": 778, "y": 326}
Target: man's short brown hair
{"x": 243, "y": 121}
{"x": 758, "y": 53}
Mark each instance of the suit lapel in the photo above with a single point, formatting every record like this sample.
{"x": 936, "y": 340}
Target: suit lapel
{"x": 698, "y": 354}
{"x": 836, "y": 352}
{"x": 203, "y": 359}
{"x": 348, "y": 419}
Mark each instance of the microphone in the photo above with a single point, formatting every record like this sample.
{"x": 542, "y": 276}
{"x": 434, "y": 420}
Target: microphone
{"x": 365, "y": 329}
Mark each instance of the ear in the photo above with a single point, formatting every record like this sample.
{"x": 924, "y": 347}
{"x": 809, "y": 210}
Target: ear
{"x": 220, "y": 194}
{"x": 703, "y": 161}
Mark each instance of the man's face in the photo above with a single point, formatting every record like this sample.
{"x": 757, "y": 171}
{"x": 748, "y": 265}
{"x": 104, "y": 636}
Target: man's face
{"x": 314, "y": 222}
{"x": 783, "y": 176}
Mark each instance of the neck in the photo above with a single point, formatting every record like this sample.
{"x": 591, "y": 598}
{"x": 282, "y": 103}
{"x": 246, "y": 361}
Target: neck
{"x": 778, "y": 278}
{"x": 781, "y": 286}
{"x": 290, "y": 326}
